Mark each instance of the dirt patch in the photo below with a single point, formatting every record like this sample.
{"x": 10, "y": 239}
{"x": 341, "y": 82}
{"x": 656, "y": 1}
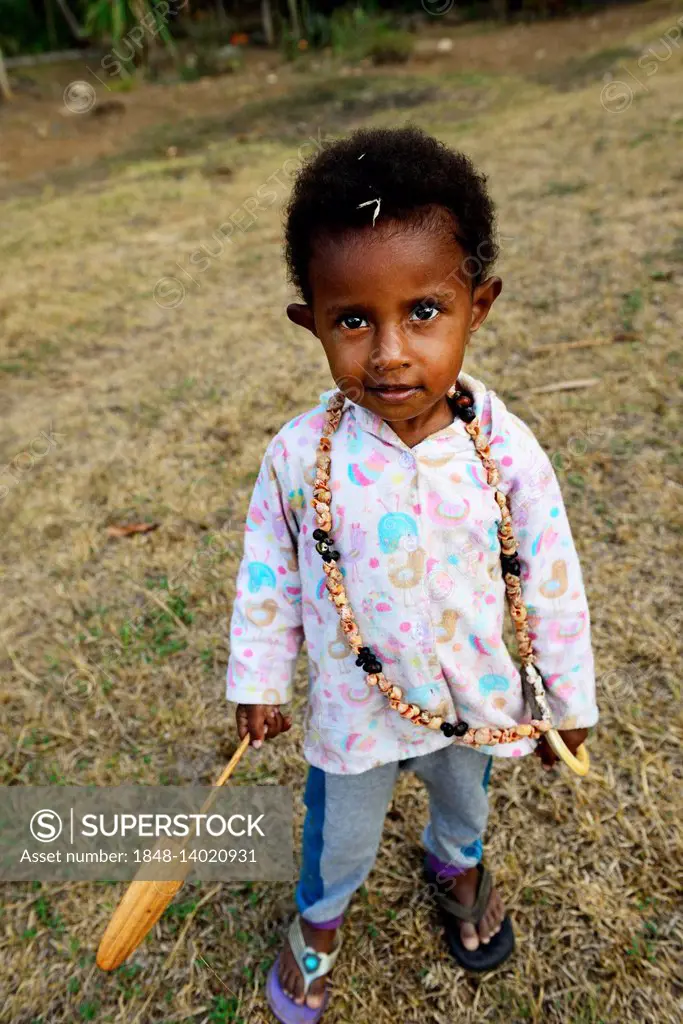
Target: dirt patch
{"x": 331, "y": 107}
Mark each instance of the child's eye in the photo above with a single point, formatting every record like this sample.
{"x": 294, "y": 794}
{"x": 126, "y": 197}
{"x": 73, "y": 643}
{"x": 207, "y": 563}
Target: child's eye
{"x": 356, "y": 321}
{"x": 427, "y": 307}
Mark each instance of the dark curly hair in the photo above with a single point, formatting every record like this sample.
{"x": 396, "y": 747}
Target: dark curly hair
{"x": 418, "y": 179}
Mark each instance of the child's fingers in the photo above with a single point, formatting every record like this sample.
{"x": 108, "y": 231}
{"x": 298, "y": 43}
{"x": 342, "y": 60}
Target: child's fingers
{"x": 275, "y": 722}
{"x": 242, "y": 723}
{"x": 256, "y": 719}
{"x": 262, "y": 722}
{"x": 545, "y": 753}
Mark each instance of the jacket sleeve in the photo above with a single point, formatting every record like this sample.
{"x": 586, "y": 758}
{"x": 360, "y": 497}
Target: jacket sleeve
{"x": 552, "y": 581}
{"x": 266, "y": 630}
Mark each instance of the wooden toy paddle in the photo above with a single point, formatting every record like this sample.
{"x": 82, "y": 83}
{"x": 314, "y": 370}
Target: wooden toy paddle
{"x": 145, "y": 901}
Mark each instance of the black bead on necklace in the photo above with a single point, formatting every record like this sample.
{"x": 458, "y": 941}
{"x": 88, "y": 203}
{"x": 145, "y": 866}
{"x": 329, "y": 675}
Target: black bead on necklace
{"x": 449, "y": 729}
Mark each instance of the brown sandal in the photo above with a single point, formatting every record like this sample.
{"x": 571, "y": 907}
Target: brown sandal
{"x": 487, "y": 955}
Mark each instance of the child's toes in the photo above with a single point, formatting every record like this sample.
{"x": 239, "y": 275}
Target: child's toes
{"x": 498, "y": 912}
{"x": 487, "y": 928}
{"x": 287, "y": 982}
{"x": 298, "y": 990}
{"x": 290, "y": 978}
{"x": 283, "y": 977}
{"x": 316, "y": 994}
{"x": 469, "y": 937}
{"x": 493, "y": 918}
{"x": 488, "y": 923}
{"x": 484, "y": 933}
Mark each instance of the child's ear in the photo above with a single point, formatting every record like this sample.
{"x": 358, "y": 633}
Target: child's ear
{"x": 485, "y": 294}
{"x": 302, "y": 315}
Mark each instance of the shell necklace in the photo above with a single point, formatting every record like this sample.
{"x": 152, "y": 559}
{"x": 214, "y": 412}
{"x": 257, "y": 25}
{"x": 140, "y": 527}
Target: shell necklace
{"x": 532, "y": 682}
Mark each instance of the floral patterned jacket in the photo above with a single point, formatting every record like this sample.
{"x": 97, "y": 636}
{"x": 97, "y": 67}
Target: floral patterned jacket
{"x": 417, "y": 532}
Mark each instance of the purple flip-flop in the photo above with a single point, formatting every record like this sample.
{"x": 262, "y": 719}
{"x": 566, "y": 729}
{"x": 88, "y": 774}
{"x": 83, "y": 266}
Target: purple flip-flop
{"x": 313, "y": 965}
{"x": 284, "y": 1008}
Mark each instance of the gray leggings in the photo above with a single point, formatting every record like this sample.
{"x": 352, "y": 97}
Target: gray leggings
{"x": 345, "y": 818}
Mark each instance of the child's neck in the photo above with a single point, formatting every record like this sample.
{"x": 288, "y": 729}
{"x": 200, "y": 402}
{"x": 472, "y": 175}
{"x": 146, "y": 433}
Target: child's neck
{"x": 416, "y": 429}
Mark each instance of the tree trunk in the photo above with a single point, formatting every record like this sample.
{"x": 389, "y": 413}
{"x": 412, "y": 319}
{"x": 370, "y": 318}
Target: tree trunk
{"x": 4, "y": 80}
{"x": 267, "y": 21}
{"x": 294, "y": 18}
{"x": 147, "y": 42}
{"x": 50, "y": 19}
{"x": 76, "y": 29}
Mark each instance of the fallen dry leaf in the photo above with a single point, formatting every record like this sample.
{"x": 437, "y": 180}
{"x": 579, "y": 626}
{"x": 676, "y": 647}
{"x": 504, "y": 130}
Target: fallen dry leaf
{"x": 128, "y": 529}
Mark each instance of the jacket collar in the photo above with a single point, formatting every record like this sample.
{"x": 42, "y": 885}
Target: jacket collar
{"x": 374, "y": 424}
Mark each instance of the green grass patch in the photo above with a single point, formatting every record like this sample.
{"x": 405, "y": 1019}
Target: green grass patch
{"x": 157, "y": 633}
{"x": 224, "y": 1010}
{"x": 88, "y": 1010}
{"x": 631, "y": 303}
{"x": 579, "y": 72}
{"x": 565, "y": 188}
{"x": 29, "y": 362}
{"x": 329, "y": 105}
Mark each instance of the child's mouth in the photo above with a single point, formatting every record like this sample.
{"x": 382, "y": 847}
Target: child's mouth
{"x": 394, "y": 393}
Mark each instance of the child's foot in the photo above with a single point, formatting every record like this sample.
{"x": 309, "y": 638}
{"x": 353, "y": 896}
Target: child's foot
{"x": 463, "y": 888}
{"x": 323, "y": 941}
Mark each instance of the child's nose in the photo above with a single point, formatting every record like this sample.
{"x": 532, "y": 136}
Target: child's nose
{"x": 390, "y": 351}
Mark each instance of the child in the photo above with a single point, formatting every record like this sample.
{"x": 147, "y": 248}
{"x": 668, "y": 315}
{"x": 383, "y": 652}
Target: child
{"x": 392, "y": 503}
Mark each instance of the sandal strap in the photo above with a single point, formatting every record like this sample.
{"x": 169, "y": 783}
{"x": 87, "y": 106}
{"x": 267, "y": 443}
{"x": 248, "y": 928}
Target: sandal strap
{"x": 473, "y": 914}
{"x": 313, "y": 965}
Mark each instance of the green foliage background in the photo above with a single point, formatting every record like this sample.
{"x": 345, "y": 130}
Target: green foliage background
{"x": 33, "y": 26}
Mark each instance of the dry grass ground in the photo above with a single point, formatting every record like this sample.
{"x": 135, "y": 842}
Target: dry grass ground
{"x": 111, "y": 674}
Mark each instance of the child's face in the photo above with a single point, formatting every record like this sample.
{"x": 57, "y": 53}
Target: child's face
{"x": 394, "y": 308}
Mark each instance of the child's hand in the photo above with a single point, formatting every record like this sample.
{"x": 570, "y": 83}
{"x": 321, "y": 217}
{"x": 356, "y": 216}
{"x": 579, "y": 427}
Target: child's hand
{"x": 261, "y": 721}
{"x": 572, "y": 737}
